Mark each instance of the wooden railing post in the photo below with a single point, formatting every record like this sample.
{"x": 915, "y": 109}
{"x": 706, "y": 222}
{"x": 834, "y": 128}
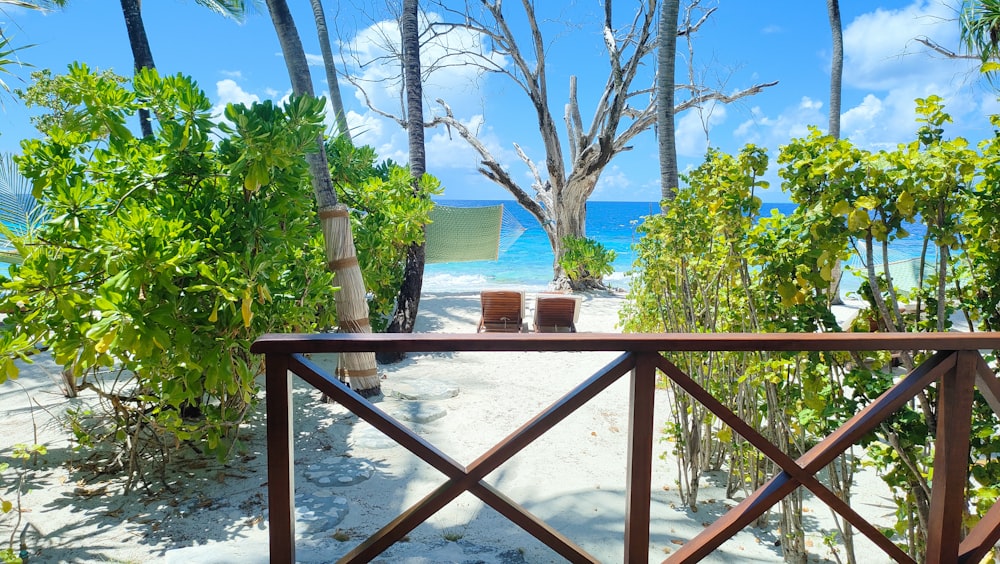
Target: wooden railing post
{"x": 280, "y": 460}
{"x": 641, "y": 402}
{"x": 951, "y": 460}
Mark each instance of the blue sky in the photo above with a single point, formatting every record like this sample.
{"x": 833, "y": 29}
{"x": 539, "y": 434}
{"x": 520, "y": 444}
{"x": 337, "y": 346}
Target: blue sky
{"x": 743, "y": 43}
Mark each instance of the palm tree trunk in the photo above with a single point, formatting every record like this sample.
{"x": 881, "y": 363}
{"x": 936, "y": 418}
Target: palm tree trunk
{"x": 408, "y": 299}
{"x": 351, "y": 305}
{"x": 141, "y": 53}
{"x": 331, "y": 69}
{"x": 836, "y": 79}
{"x": 665, "y": 65}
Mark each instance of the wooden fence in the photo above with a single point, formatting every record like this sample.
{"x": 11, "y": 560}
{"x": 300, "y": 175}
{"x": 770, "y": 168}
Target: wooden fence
{"x": 956, "y": 368}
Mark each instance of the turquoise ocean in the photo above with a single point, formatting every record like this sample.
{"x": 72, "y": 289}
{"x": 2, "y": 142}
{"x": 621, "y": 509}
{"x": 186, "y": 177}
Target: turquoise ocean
{"x": 527, "y": 262}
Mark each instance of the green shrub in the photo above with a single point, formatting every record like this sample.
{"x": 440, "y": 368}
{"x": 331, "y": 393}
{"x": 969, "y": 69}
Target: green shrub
{"x": 164, "y": 257}
{"x": 387, "y": 217}
{"x": 585, "y": 259}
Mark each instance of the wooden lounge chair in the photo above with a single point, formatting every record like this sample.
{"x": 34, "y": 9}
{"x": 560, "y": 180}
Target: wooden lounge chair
{"x": 502, "y": 311}
{"x": 556, "y": 313}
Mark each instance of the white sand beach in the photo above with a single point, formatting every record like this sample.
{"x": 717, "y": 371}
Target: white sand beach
{"x": 350, "y": 480}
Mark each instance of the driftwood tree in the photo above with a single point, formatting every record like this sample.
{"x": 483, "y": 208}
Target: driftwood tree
{"x": 626, "y": 107}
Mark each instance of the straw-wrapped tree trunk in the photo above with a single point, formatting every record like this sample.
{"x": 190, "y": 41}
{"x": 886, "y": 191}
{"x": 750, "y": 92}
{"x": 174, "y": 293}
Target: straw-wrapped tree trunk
{"x": 352, "y": 308}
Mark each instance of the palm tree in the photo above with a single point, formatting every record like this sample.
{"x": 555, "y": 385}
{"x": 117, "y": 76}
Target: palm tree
{"x": 408, "y": 299}
{"x": 836, "y": 82}
{"x": 980, "y": 32}
{"x": 20, "y": 212}
{"x": 836, "y": 66}
{"x": 666, "y": 62}
{"x": 333, "y": 85}
{"x": 139, "y": 42}
{"x": 352, "y": 308}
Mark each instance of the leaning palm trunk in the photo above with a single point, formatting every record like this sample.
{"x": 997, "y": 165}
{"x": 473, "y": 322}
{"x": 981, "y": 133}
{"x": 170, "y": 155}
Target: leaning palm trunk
{"x": 352, "y": 307}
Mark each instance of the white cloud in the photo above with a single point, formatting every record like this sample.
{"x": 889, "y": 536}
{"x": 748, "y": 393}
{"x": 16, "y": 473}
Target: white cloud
{"x": 794, "y": 121}
{"x": 227, "y": 91}
{"x": 451, "y": 70}
{"x": 881, "y": 51}
{"x": 690, "y": 130}
{"x": 314, "y": 60}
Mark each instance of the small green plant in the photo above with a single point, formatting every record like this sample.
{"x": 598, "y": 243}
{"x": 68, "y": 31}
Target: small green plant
{"x": 23, "y": 453}
{"x": 585, "y": 261}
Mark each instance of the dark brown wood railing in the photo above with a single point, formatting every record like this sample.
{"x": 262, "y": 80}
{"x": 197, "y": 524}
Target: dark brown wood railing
{"x": 956, "y": 368}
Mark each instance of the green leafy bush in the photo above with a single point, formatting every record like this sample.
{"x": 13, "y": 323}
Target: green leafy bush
{"x": 165, "y": 257}
{"x": 703, "y": 267}
{"x": 387, "y": 216}
{"x": 585, "y": 260}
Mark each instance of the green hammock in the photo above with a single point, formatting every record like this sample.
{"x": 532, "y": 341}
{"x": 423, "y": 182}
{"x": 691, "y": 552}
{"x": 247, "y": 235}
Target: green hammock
{"x": 458, "y": 234}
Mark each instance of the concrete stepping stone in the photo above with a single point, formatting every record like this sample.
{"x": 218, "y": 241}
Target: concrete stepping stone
{"x": 366, "y": 436}
{"x": 318, "y": 514}
{"x": 339, "y": 471}
{"x": 416, "y": 412}
{"x": 422, "y": 390}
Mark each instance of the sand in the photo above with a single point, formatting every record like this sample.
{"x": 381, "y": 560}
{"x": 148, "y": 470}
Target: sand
{"x": 350, "y": 480}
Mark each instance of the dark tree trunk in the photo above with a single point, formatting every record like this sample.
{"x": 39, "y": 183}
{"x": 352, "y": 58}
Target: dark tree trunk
{"x": 836, "y": 66}
{"x": 836, "y": 79}
{"x": 141, "y": 53}
{"x": 331, "y": 69}
{"x": 665, "y": 84}
{"x": 408, "y": 300}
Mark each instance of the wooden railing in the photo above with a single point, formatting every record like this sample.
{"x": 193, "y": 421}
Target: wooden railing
{"x": 956, "y": 368}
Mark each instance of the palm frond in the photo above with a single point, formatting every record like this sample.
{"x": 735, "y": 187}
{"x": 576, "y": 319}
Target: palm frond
{"x": 980, "y": 28}
{"x": 234, "y": 9}
{"x": 20, "y": 212}
{"x": 44, "y": 5}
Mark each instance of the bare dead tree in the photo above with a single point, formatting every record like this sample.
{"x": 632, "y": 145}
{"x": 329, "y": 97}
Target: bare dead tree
{"x": 626, "y": 107}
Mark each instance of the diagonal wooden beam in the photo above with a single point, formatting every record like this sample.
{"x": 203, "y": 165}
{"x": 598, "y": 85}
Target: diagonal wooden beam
{"x": 769, "y": 494}
{"x": 874, "y": 413}
{"x": 982, "y": 538}
{"x": 533, "y": 525}
{"x": 460, "y": 479}
{"x": 559, "y": 410}
{"x": 988, "y": 385}
{"x": 333, "y": 387}
{"x": 803, "y": 470}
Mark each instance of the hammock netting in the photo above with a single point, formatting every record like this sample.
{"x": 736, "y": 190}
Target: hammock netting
{"x": 458, "y": 234}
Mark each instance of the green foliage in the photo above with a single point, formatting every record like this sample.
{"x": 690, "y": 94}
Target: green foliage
{"x": 165, "y": 257}
{"x": 585, "y": 259}
{"x": 704, "y": 267}
{"x": 389, "y": 215}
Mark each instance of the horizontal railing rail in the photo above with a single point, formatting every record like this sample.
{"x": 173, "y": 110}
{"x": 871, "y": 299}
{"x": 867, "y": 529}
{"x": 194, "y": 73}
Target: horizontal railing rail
{"x": 957, "y": 368}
